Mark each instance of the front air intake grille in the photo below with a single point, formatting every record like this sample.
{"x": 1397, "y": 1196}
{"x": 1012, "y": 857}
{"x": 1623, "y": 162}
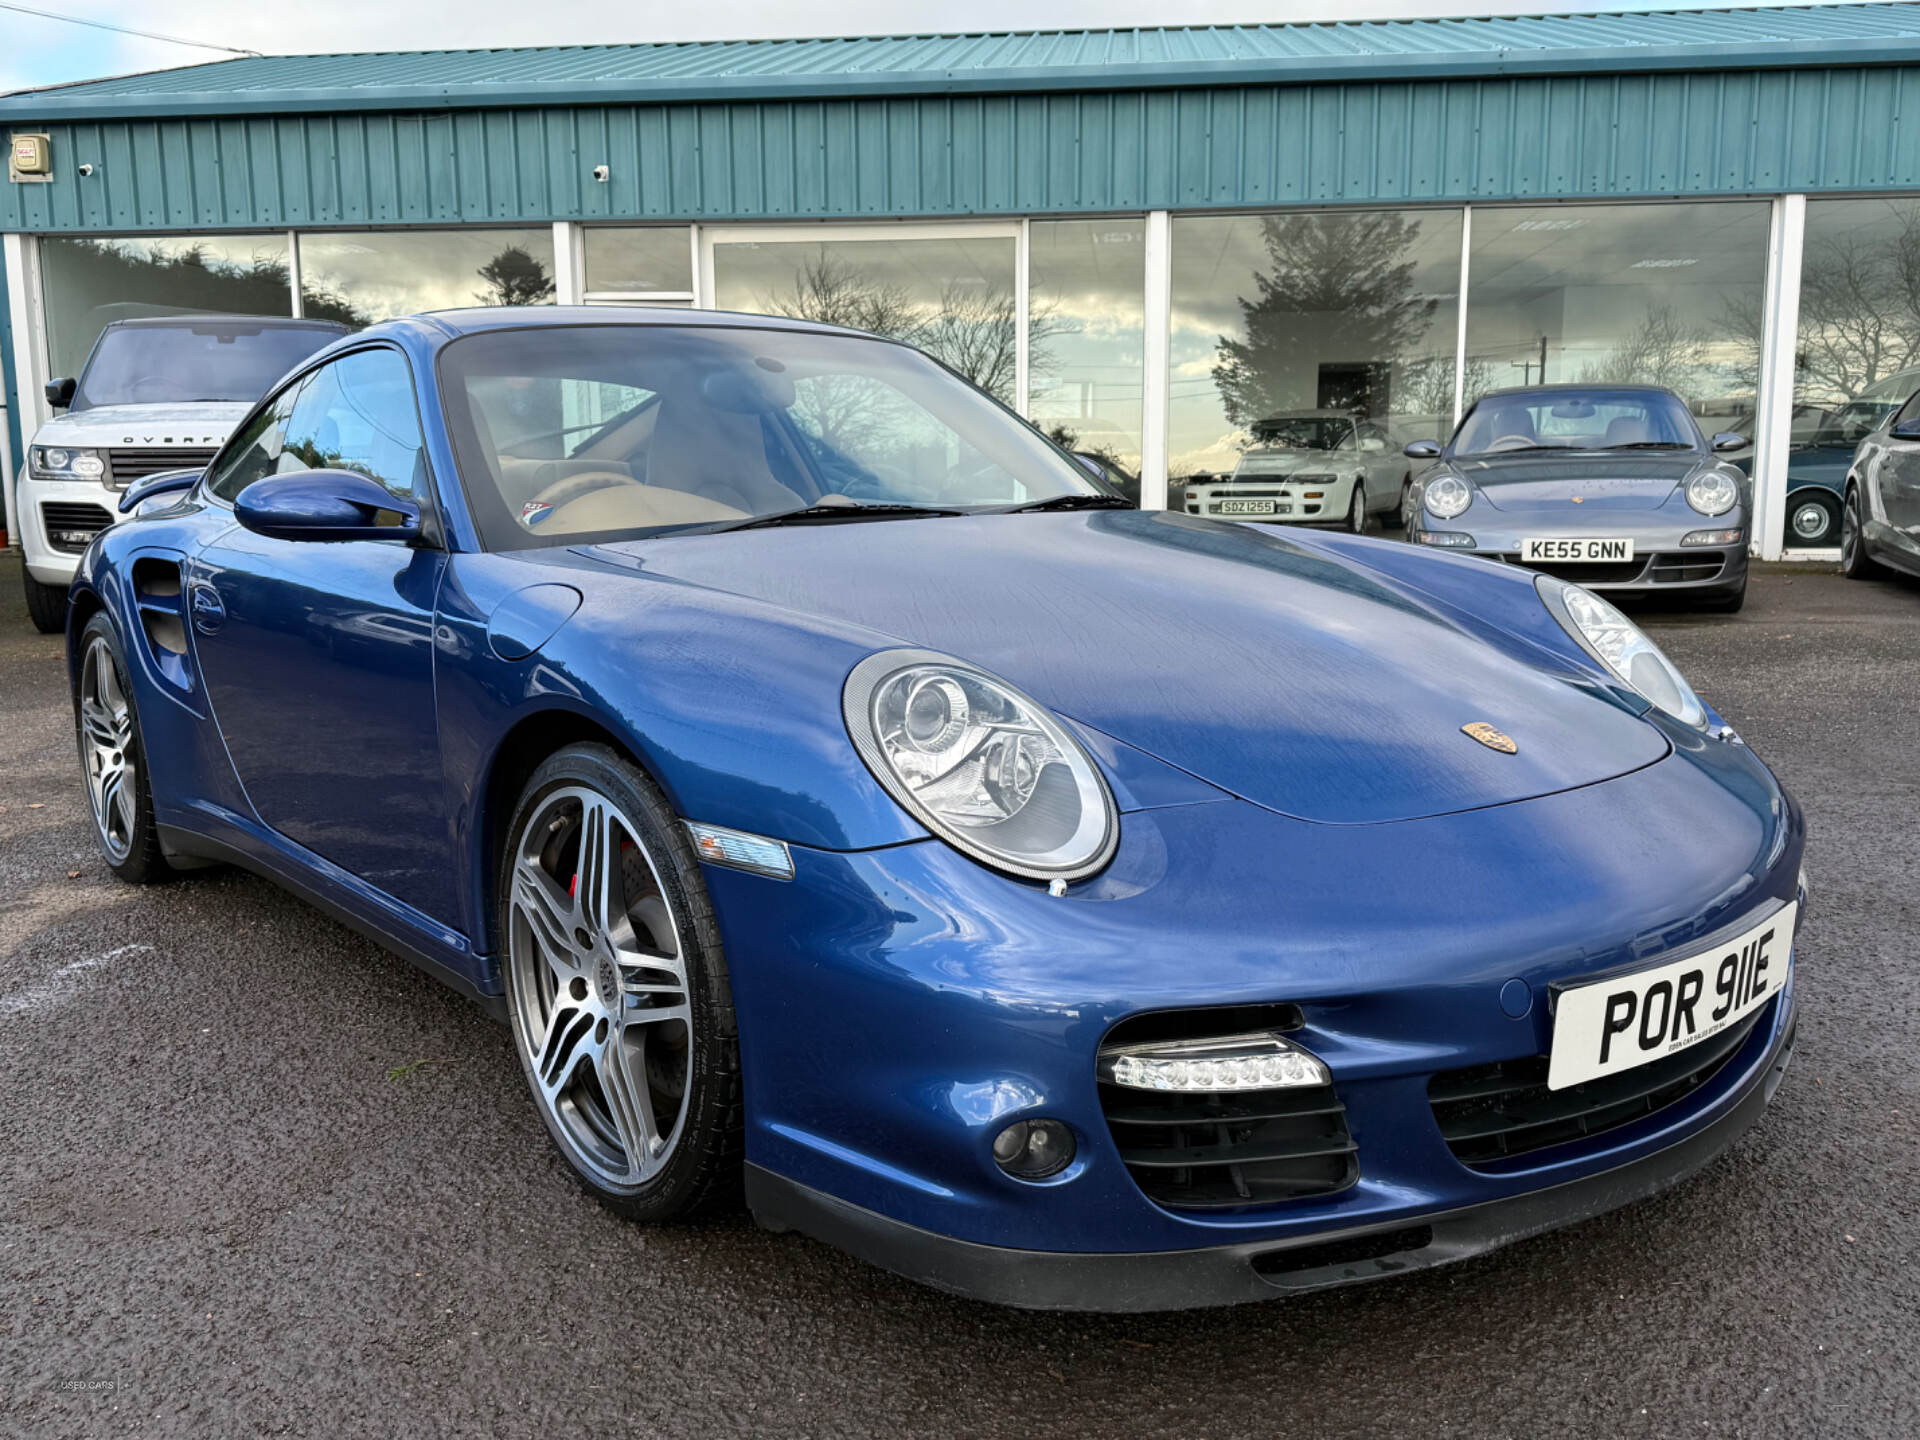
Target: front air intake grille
{"x": 125, "y": 464}
{"x": 1676, "y": 567}
{"x": 1493, "y": 1112}
{"x": 70, "y": 525}
{"x": 1197, "y": 1150}
{"x": 1587, "y": 572}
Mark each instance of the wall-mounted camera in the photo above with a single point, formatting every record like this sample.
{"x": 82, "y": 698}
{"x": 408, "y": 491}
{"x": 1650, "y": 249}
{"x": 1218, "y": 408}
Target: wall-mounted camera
{"x": 602, "y": 173}
{"x": 86, "y": 170}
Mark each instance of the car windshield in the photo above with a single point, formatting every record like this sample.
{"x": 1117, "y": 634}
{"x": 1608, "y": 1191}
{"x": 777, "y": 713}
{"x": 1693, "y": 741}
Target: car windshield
{"x": 590, "y": 432}
{"x": 1303, "y": 433}
{"x": 1576, "y": 419}
{"x": 232, "y": 360}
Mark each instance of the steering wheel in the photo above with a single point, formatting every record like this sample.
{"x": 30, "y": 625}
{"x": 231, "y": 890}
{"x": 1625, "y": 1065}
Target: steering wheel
{"x": 569, "y": 488}
{"x": 1513, "y": 442}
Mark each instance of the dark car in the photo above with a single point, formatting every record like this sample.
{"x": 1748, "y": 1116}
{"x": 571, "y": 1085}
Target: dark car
{"x": 1609, "y": 486}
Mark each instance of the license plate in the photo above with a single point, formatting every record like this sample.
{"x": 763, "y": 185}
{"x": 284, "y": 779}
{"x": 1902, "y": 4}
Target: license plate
{"x": 1582, "y": 548}
{"x": 1245, "y": 507}
{"x": 1633, "y": 1019}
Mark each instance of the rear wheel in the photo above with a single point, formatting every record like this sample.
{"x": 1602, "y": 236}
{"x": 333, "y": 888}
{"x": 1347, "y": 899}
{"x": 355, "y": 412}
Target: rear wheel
{"x": 1357, "y": 511}
{"x": 617, "y": 990}
{"x": 1855, "y": 563}
{"x": 46, "y": 606}
{"x": 112, "y": 760}
{"x": 1813, "y": 518}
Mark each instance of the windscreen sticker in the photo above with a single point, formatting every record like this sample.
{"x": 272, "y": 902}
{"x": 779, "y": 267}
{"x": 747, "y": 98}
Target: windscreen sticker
{"x": 533, "y": 512}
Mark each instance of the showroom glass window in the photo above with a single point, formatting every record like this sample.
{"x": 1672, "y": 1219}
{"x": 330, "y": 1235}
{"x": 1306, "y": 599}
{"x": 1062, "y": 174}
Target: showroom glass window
{"x": 1858, "y": 356}
{"x": 362, "y": 276}
{"x": 952, "y": 297}
{"x": 87, "y": 283}
{"x": 1663, "y": 294}
{"x": 1355, "y": 311}
{"x": 1086, "y": 334}
{"x": 638, "y": 264}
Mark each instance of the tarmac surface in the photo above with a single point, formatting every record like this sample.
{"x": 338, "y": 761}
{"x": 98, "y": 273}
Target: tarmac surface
{"x": 259, "y": 1176}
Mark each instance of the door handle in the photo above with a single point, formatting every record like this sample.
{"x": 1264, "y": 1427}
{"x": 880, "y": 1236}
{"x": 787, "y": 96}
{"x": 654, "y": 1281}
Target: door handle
{"x": 209, "y": 610}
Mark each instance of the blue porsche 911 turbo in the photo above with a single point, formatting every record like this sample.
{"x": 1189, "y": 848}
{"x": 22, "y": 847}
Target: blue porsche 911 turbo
{"x": 843, "y": 798}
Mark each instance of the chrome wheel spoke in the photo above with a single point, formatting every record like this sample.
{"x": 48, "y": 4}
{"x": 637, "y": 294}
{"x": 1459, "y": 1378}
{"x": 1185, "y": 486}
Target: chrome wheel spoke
{"x": 599, "y": 855}
{"x": 106, "y": 750}
{"x": 567, "y": 1044}
{"x": 98, "y": 724}
{"x": 630, "y": 1106}
{"x": 551, "y": 917}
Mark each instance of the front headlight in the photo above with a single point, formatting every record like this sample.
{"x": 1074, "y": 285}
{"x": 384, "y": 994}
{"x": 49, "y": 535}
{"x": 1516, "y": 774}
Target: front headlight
{"x": 1712, "y": 493}
{"x": 55, "y": 462}
{"x": 1448, "y": 496}
{"x": 979, "y": 764}
{"x": 1620, "y": 645}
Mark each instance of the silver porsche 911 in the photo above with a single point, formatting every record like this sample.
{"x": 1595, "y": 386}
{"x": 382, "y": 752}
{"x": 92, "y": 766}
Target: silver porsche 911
{"x": 1608, "y": 486}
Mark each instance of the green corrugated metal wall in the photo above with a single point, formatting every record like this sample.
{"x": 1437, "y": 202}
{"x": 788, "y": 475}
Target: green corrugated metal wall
{"x": 1617, "y": 135}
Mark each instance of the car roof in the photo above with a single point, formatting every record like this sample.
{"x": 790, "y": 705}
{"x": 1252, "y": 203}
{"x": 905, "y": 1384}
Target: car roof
{"x": 1572, "y": 386}
{"x": 201, "y": 319}
{"x": 478, "y": 319}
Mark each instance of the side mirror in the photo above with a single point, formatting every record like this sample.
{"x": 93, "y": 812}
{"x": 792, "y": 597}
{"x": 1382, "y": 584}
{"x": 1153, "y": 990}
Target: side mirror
{"x": 326, "y": 505}
{"x": 167, "y": 482}
{"x": 1727, "y": 442}
{"x": 1422, "y": 450}
{"x": 60, "y": 392}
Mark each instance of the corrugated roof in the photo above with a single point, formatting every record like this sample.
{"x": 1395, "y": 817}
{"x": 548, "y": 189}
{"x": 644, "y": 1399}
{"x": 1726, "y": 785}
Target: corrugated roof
{"x": 1863, "y": 34}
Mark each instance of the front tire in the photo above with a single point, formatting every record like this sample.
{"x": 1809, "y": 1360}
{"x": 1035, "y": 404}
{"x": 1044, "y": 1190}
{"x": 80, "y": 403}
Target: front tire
{"x": 113, "y": 759}
{"x": 1402, "y": 508}
{"x": 46, "y": 605}
{"x": 617, "y": 990}
{"x": 1855, "y": 563}
{"x": 1357, "y": 511}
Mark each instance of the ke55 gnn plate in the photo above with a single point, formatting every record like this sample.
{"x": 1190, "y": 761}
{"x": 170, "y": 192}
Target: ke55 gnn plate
{"x": 1639, "y": 1017}
{"x": 1250, "y": 507}
{"x": 1575, "y": 548}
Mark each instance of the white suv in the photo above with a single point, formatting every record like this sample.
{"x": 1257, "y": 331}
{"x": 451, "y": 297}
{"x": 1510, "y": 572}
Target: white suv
{"x": 156, "y": 394}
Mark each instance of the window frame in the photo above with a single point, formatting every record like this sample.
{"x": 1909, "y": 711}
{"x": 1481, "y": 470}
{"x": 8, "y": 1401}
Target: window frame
{"x": 432, "y": 525}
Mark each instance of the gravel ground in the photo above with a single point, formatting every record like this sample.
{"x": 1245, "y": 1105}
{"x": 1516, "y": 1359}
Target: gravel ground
{"x": 257, "y": 1176}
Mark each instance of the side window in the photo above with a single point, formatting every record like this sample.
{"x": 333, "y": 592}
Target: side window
{"x": 1907, "y": 411}
{"x": 358, "y": 414}
{"x": 257, "y": 451}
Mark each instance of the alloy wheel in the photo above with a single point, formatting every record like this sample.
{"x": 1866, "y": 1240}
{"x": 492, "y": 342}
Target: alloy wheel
{"x": 1357, "y": 512}
{"x": 107, "y": 749}
{"x": 603, "y": 1012}
{"x": 1850, "y": 530}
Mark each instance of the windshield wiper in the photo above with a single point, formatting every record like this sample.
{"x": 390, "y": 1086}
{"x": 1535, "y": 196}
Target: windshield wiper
{"x": 808, "y": 514}
{"x": 1650, "y": 445}
{"x": 1063, "y": 502}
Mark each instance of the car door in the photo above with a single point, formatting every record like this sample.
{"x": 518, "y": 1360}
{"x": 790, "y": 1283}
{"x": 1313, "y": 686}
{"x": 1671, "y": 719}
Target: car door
{"x": 318, "y": 655}
{"x": 1896, "y": 477}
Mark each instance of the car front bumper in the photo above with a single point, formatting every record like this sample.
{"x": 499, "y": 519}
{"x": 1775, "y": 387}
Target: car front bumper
{"x": 1323, "y": 500}
{"x": 1263, "y": 1269}
{"x": 1660, "y": 563}
{"x": 899, "y": 1007}
{"x": 57, "y": 519}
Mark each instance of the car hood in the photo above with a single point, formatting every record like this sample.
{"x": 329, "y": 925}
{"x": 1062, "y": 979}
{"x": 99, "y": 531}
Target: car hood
{"x": 1602, "y": 482}
{"x": 1259, "y": 663}
{"x": 197, "y": 425}
{"x": 1271, "y": 464}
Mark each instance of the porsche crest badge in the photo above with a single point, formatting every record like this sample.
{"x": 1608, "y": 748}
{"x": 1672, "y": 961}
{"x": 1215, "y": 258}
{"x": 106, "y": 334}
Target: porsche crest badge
{"x": 1491, "y": 738}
